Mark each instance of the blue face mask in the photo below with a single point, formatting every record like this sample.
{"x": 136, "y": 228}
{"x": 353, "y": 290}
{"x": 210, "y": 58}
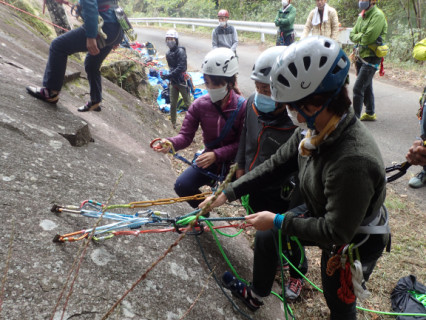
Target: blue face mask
{"x": 363, "y": 5}
{"x": 264, "y": 103}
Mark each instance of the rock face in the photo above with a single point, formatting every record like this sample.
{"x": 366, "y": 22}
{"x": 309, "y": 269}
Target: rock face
{"x": 55, "y": 155}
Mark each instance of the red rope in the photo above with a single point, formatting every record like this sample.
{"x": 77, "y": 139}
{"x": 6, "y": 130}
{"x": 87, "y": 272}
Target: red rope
{"x": 46, "y": 21}
{"x": 346, "y": 291}
{"x": 30, "y": 14}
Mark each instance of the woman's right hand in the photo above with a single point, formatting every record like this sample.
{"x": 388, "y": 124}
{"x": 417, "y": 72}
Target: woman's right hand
{"x": 163, "y": 146}
{"x": 221, "y": 199}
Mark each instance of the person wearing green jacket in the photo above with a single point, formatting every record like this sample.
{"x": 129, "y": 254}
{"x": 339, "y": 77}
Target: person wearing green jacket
{"x": 370, "y": 29}
{"x": 285, "y": 21}
{"x": 341, "y": 173}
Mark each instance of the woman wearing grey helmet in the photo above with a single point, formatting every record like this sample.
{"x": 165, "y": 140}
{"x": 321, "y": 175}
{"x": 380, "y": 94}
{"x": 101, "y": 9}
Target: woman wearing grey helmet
{"x": 341, "y": 173}
{"x": 220, "y": 114}
{"x": 267, "y": 126}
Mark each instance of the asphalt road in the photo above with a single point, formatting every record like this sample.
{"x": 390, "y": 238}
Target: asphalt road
{"x": 395, "y": 129}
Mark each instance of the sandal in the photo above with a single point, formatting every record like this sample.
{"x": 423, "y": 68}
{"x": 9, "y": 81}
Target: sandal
{"x": 90, "y": 106}
{"x": 241, "y": 291}
{"x": 43, "y": 94}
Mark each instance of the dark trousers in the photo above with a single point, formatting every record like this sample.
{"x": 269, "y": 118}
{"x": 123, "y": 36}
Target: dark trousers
{"x": 266, "y": 259}
{"x": 190, "y": 181}
{"x": 363, "y": 89}
{"x": 75, "y": 41}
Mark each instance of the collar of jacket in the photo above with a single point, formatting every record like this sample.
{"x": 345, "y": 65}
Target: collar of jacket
{"x": 338, "y": 132}
{"x": 369, "y": 12}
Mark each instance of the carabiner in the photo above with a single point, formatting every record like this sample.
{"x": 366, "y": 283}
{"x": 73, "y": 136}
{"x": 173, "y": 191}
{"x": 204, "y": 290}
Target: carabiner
{"x": 401, "y": 167}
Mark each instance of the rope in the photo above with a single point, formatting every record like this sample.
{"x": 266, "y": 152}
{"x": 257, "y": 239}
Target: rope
{"x": 62, "y": 28}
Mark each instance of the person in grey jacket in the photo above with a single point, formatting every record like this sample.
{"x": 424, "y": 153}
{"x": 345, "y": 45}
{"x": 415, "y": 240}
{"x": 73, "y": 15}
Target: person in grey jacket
{"x": 341, "y": 173}
{"x": 224, "y": 35}
{"x": 267, "y": 127}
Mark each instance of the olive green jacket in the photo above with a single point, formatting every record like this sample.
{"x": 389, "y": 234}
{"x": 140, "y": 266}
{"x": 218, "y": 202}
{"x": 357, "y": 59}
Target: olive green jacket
{"x": 342, "y": 183}
{"x": 368, "y": 29}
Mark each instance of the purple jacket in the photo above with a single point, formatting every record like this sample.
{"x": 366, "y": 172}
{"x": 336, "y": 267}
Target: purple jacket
{"x": 203, "y": 112}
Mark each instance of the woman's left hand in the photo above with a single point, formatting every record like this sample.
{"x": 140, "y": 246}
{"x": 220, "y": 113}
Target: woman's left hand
{"x": 205, "y": 159}
{"x": 262, "y": 221}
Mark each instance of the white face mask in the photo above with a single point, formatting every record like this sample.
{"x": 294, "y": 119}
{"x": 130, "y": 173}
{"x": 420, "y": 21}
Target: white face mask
{"x": 284, "y": 3}
{"x": 217, "y": 94}
{"x": 292, "y": 114}
{"x": 222, "y": 23}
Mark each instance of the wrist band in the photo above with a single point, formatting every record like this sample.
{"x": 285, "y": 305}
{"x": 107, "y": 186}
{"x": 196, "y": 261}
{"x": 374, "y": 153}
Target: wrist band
{"x": 278, "y": 220}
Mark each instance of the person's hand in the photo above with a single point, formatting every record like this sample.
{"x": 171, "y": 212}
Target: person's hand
{"x": 221, "y": 199}
{"x": 262, "y": 221}
{"x": 165, "y": 76}
{"x": 417, "y": 154}
{"x": 239, "y": 173}
{"x": 163, "y": 146}
{"x": 205, "y": 159}
{"x": 92, "y": 46}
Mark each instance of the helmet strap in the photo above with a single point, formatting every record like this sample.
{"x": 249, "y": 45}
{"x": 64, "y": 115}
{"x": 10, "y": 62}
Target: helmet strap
{"x": 310, "y": 120}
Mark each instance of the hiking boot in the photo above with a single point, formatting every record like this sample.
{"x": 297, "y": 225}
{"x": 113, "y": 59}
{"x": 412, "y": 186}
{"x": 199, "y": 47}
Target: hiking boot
{"x": 241, "y": 291}
{"x": 43, "y": 94}
{"x": 368, "y": 117}
{"x": 90, "y": 106}
{"x": 293, "y": 288}
{"x": 418, "y": 180}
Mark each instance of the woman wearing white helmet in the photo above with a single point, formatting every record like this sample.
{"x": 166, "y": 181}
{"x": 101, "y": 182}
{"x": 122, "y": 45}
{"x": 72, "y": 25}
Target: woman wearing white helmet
{"x": 341, "y": 172}
{"x": 220, "y": 114}
{"x": 176, "y": 59}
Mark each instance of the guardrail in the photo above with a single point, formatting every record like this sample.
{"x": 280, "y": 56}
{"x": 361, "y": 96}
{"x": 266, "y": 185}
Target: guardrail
{"x": 248, "y": 26}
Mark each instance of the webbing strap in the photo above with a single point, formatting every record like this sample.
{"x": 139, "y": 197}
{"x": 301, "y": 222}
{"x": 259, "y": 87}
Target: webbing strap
{"x": 372, "y": 227}
{"x": 228, "y": 125}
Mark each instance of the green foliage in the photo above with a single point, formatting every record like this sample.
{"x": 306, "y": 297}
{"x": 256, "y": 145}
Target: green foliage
{"x": 35, "y": 23}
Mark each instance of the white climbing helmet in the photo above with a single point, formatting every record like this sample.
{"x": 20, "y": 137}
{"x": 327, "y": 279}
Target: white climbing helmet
{"x": 263, "y": 65}
{"x": 315, "y": 64}
{"x": 172, "y": 33}
{"x": 220, "y": 62}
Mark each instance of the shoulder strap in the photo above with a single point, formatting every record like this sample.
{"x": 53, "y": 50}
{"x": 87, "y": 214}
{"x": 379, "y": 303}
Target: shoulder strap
{"x": 228, "y": 125}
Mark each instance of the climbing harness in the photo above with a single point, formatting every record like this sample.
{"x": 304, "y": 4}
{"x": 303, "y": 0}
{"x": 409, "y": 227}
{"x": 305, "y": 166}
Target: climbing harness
{"x": 157, "y": 144}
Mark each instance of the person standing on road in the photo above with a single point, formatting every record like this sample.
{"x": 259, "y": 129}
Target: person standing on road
{"x": 370, "y": 28}
{"x": 322, "y": 21}
{"x": 417, "y": 153}
{"x": 87, "y": 38}
{"x": 177, "y": 61}
{"x": 331, "y": 167}
{"x": 220, "y": 114}
{"x": 285, "y": 23}
{"x": 267, "y": 126}
{"x": 224, "y": 35}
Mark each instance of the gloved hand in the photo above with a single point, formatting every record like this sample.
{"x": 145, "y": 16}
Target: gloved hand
{"x": 165, "y": 76}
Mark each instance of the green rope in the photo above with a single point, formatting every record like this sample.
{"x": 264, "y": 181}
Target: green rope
{"x": 210, "y": 225}
{"x": 358, "y": 307}
{"x": 115, "y": 206}
{"x": 280, "y": 249}
{"x": 245, "y": 203}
